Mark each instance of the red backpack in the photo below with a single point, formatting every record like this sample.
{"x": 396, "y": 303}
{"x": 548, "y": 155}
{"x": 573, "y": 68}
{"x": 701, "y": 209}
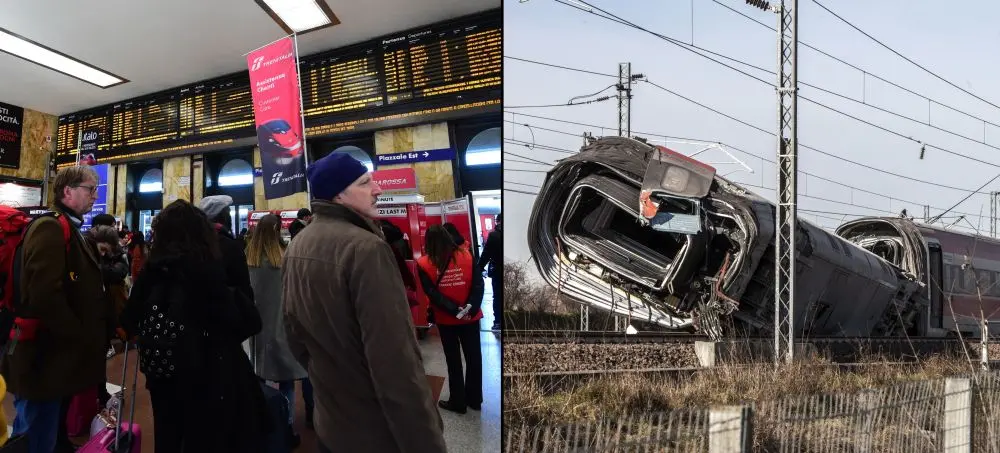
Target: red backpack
{"x": 13, "y": 228}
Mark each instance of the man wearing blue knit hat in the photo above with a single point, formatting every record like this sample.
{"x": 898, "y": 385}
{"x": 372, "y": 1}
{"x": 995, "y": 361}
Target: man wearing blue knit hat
{"x": 348, "y": 322}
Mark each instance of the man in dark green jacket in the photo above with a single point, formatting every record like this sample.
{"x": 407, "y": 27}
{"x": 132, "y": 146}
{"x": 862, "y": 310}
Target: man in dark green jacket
{"x": 62, "y": 290}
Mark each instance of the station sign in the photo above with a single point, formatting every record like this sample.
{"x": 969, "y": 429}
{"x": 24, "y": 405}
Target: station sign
{"x": 412, "y": 157}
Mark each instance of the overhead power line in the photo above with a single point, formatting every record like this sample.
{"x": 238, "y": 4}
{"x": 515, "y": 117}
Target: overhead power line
{"x": 748, "y": 153}
{"x": 865, "y": 72}
{"x": 904, "y": 57}
{"x": 690, "y": 48}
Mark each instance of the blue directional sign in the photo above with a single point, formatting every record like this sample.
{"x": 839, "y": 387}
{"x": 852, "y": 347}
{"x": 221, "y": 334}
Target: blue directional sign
{"x": 416, "y": 156}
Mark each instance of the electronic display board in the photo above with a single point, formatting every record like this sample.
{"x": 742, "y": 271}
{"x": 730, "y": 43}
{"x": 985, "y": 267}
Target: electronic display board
{"x": 401, "y": 77}
{"x": 338, "y": 83}
{"x": 216, "y": 107}
{"x": 440, "y": 60}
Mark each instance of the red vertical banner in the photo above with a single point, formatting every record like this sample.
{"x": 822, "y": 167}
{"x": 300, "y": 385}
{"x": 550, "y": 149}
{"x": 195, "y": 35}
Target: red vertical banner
{"x": 274, "y": 85}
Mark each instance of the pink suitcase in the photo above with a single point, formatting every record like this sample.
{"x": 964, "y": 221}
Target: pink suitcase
{"x": 129, "y": 440}
{"x": 120, "y": 436}
{"x": 82, "y": 409}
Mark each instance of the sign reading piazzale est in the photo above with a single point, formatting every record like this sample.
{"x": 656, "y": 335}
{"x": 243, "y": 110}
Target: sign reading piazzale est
{"x": 11, "y": 126}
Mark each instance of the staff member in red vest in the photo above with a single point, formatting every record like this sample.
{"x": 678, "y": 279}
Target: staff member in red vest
{"x": 455, "y": 289}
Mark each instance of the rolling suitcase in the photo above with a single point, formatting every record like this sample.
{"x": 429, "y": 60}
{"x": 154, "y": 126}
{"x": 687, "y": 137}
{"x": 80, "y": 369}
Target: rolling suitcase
{"x": 275, "y": 441}
{"x": 119, "y": 437}
{"x": 82, "y": 409}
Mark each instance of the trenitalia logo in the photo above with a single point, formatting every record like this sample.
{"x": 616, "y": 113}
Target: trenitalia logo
{"x": 275, "y": 178}
{"x": 259, "y": 61}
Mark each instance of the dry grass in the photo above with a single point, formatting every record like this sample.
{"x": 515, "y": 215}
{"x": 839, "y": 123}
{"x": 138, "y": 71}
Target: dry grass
{"x": 724, "y": 385}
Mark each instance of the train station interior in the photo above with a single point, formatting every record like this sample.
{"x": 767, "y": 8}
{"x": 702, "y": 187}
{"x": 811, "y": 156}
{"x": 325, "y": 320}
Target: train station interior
{"x": 157, "y": 98}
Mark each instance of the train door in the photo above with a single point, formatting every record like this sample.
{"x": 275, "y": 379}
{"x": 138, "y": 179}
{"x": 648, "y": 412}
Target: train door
{"x": 936, "y": 297}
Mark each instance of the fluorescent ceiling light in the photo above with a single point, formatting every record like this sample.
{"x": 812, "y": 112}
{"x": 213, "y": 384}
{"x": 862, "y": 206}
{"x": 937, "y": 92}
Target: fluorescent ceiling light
{"x": 300, "y": 16}
{"x": 475, "y": 158}
{"x": 41, "y": 55}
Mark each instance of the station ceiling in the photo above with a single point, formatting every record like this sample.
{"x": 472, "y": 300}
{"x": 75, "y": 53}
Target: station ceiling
{"x": 164, "y": 44}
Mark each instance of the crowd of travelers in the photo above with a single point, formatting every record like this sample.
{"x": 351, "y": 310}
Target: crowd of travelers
{"x": 216, "y": 317}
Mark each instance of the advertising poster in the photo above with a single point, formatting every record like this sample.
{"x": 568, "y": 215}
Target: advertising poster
{"x": 274, "y": 86}
{"x": 88, "y": 147}
{"x": 11, "y": 127}
{"x": 396, "y": 180}
{"x": 101, "y": 205}
{"x": 457, "y": 213}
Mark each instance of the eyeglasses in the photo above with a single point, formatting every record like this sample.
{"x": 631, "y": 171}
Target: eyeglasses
{"x": 92, "y": 189}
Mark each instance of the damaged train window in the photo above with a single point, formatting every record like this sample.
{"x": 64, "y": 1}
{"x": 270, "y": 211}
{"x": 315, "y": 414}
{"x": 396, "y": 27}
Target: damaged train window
{"x": 676, "y": 215}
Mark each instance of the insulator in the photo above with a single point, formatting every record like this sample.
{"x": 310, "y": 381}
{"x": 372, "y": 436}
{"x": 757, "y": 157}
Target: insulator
{"x": 762, "y": 4}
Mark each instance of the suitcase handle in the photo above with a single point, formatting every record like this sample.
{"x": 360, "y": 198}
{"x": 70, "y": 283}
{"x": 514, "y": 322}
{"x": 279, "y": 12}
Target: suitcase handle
{"x": 135, "y": 383}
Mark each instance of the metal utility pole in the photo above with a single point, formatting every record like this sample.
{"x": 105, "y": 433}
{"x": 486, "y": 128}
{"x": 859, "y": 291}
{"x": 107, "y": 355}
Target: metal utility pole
{"x": 994, "y": 200}
{"x": 927, "y": 213}
{"x": 624, "y": 99}
{"x": 784, "y": 245}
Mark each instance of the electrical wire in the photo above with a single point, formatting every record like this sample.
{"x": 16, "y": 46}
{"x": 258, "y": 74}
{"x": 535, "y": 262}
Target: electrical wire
{"x": 520, "y": 191}
{"x": 691, "y": 48}
{"x": 860, "y": 69}
{"x": 735, "y": 148}
{"x": 600, "y": 99}
{"x": 527, "y": 158}
{"x": 758, "y": 128}
{"x": 900, "y": 55}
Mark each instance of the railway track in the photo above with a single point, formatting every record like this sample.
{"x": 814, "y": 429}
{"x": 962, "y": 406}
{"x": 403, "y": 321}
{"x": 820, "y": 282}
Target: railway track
{"x": 600, "y": 337}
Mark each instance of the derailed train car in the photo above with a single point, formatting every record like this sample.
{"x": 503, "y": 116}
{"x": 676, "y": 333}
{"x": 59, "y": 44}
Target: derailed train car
{"x": 645, "y": 232}
{"x": 961, "y": 271}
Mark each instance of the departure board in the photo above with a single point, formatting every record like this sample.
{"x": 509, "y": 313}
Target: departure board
{"x": 68, "y": 134}
{"x": 405, "y": 76}
{"x": 339, "y": 83}
{"x": 442, "y": 60}
{"x": 150, "y": 121}
{"x": 217, "y": 107}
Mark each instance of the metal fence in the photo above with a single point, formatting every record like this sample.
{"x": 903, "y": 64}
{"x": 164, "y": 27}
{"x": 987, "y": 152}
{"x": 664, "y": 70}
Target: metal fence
{"x": 941, "y": 415}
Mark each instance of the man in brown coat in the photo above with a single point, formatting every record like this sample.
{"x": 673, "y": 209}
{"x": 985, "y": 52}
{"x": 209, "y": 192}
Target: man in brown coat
{"x": 348, "y": 322}
{"x": 64, "y": 292}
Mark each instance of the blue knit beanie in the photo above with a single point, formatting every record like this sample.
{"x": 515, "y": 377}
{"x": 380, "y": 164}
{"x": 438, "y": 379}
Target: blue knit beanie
{"x": 329, "y": 176}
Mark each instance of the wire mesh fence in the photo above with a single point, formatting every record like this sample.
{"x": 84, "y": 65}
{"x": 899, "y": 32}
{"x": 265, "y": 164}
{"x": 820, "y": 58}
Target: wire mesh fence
{"x": 664, "y": 432}
{"x": 952, "y": 415}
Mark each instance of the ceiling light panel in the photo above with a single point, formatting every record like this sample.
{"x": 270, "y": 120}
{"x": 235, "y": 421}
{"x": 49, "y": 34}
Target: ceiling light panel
{"x": 300, "y": 16}
{"x": 41, "y": 55}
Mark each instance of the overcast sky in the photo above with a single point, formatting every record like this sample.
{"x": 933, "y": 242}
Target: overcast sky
{"x": 956, "y": 43}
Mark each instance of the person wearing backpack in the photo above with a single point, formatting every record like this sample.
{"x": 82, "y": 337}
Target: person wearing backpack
{"x": 59, "y": 342}
{"x": 455, "y": 288}
{"x": 190, "y": 326}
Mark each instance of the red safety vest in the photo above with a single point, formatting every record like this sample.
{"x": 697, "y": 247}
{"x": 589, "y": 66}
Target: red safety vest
{"x": 455, "y": 285}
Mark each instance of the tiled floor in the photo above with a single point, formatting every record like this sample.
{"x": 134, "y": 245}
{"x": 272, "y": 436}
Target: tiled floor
{"x": 470, "y": 432}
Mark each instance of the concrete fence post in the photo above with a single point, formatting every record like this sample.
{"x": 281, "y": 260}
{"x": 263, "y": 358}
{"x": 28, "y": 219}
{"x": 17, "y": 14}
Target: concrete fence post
{"x": 730, "y": 429}
{"x": 956, "y": 428}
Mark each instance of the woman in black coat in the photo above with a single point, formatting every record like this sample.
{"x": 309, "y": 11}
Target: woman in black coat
{"x": 190, "y": 325}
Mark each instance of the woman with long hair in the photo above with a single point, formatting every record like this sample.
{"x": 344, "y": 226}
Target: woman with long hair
{"x": 455, "y": 289}
{"x": 190, "y": 326}
{"x": 273, "y": 360}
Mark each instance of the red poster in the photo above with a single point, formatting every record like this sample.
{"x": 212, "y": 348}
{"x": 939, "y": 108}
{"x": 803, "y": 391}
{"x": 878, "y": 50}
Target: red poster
{"x": 274, "y": 85}
{"x": 396, "y": 180}
{"x": 457, "y": 213}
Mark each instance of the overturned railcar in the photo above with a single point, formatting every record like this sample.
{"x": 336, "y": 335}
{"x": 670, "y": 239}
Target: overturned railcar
{"x": 645, "y": 232}
{"x": 960, "y": 271}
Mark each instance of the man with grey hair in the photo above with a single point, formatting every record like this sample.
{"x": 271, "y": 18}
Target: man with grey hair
{"x": 59, "y": 345}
